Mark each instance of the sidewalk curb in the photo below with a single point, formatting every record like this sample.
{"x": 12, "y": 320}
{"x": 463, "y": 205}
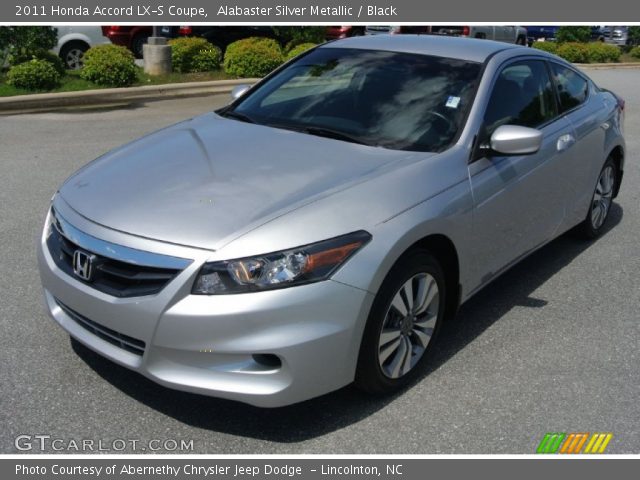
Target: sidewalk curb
{"x": 49, "y": 101}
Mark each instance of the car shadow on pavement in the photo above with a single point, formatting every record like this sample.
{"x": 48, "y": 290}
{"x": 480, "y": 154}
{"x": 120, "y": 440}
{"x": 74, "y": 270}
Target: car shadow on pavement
{"x": 347, "y": 406}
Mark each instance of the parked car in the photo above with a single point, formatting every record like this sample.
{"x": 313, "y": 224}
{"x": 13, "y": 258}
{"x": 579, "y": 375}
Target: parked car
{"x": 397, "y": 29}
{"x": 616, "y": 35}
{"x": 335, "y": 32}
{"x": 132, "y": 37}
{"x": 221, "y": 36}
{"x": 74, "y": 41}
{"x": 500, "y": 33}
{"x": 541, "y": 33}
{"x": 321, "y": 228}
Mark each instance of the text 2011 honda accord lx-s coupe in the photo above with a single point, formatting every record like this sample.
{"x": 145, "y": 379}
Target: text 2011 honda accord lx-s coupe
{"x": 320, "y": 229}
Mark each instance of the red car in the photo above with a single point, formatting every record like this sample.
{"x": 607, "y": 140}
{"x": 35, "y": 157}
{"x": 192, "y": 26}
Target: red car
{"x": 343, "y": 31}
{"x": 132, "y": 37}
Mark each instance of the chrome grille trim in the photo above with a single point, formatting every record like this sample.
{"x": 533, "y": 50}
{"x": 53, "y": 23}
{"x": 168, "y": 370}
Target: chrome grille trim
{"x": 115, "y": 251}
{"x": 118, "y": 271}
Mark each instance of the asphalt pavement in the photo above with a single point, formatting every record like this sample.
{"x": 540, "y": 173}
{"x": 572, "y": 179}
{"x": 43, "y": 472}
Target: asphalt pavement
{"x": 551, "y": 346}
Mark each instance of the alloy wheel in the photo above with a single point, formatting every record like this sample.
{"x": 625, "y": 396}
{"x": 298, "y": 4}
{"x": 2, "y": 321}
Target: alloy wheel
{"x": 408, "y": 325}
{"x": 74, "y": 59}
{"x": 602, "y": 197}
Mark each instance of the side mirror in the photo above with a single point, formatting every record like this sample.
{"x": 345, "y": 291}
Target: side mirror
{"x": 516, "y": 140}
{"x": 239, "y": 90}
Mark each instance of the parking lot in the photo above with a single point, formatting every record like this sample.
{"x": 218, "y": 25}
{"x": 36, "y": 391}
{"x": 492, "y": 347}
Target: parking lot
{"x": 551, "y": 346}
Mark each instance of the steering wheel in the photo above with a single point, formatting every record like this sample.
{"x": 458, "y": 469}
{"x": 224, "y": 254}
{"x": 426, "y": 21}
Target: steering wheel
{"x": 447, "y": 121}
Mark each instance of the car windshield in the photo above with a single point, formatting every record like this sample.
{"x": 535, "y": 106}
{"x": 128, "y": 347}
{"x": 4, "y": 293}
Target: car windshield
{"x": 393, "y": 100}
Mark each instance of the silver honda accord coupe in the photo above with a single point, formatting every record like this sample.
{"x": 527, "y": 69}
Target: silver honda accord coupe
{"x": 320, "y": 229}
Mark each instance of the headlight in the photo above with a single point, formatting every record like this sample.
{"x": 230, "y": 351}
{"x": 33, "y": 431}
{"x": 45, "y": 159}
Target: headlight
{"x": 306, "y": 264}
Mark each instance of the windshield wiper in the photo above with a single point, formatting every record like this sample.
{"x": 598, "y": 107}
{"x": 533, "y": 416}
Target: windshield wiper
{"x": 321, "y": 132}
{"x": 237, "y": 116}
{"x": 336, "y": 135}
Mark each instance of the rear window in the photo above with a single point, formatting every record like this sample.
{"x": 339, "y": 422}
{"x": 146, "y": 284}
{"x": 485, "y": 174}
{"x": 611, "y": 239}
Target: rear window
{"x": 572, "y": 87}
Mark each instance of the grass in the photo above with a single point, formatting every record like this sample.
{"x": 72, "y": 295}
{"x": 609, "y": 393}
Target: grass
{"x": 72, "y": 82}
{"x": 626, "y": 58}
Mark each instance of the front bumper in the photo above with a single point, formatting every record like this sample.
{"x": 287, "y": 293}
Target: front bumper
{"x": 216, "y": 345}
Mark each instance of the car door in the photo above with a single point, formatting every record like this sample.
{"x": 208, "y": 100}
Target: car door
{"x": 519, "y": 200}
{"x": 589, "y": 116}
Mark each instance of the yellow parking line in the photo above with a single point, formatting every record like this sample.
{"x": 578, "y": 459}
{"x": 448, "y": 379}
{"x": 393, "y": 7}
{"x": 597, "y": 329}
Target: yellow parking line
{"x": 606, "y": 441}
{"x": 591, "y": 442}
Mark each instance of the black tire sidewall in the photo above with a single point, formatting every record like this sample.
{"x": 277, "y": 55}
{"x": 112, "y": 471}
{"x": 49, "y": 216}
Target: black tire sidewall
{"x": 137, "y": 45}
{"x": 587, "y": 225}
{"x": 369, "y": 375}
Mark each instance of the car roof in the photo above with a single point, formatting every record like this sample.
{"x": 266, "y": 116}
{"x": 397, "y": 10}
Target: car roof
{"x": 469, "y": 49}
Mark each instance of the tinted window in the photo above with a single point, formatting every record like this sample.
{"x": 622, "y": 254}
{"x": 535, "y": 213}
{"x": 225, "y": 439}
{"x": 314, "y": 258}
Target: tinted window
{"x": 572, "y": 88}
{"x": 388, "y": 99}
{"x": 522, "y": 95}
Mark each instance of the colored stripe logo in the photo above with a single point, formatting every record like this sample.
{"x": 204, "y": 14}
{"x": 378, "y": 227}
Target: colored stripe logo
{"x": 574, "y": 443}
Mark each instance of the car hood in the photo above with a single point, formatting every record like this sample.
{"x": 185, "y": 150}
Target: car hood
{"x": 207, "y": 180}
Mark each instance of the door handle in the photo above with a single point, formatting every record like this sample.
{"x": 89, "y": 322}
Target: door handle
{"x": 565, "y": 141}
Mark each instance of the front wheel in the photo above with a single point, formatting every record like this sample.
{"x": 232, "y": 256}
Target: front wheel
{"x": 404, "y": 319}
{"x": 594, "y": 224}
{"x": 72, "y": 54}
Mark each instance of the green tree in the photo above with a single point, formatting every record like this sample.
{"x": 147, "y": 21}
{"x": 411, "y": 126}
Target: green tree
{"x": 293, "y": 36}
{"x": 634, "y": 35}
{"x": 19, "y": 43}
{"x": 580, "y": 34}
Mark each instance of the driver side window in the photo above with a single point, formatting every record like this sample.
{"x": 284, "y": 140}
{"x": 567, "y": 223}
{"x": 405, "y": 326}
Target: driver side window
{"x": 522, "y": 95}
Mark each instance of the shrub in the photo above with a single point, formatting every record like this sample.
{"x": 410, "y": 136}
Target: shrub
{"x": 33, "y": 75}
{"x": 46, "y": 55}
{"x": 207, "y": 60}
{"x": 551, "y": 47}
{"x": 635, "y": 52}
{"x": 252, "y": 57}
{"x": 192, "y": 54}
{"x": 581, "y": 34}
{"x": 295, "y": 51}
{"x": 109, "y": 65}
{"x": 574, "y": 52}
{"x": 599, "y": 52}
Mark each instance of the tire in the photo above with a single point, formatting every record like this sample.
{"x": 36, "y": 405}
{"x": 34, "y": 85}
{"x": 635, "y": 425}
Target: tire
{"x": 394, "y": 345}
{"x": 137, "y": 44}
{"x": 72, "y": 54}
{"x": 600, "y": 206}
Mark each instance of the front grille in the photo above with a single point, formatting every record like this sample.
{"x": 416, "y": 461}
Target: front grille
{"x": 118, "y": 339}
{"x": 113, "y": 277}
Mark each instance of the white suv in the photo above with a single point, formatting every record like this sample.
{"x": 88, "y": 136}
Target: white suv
{"x": 74, "y": 41}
